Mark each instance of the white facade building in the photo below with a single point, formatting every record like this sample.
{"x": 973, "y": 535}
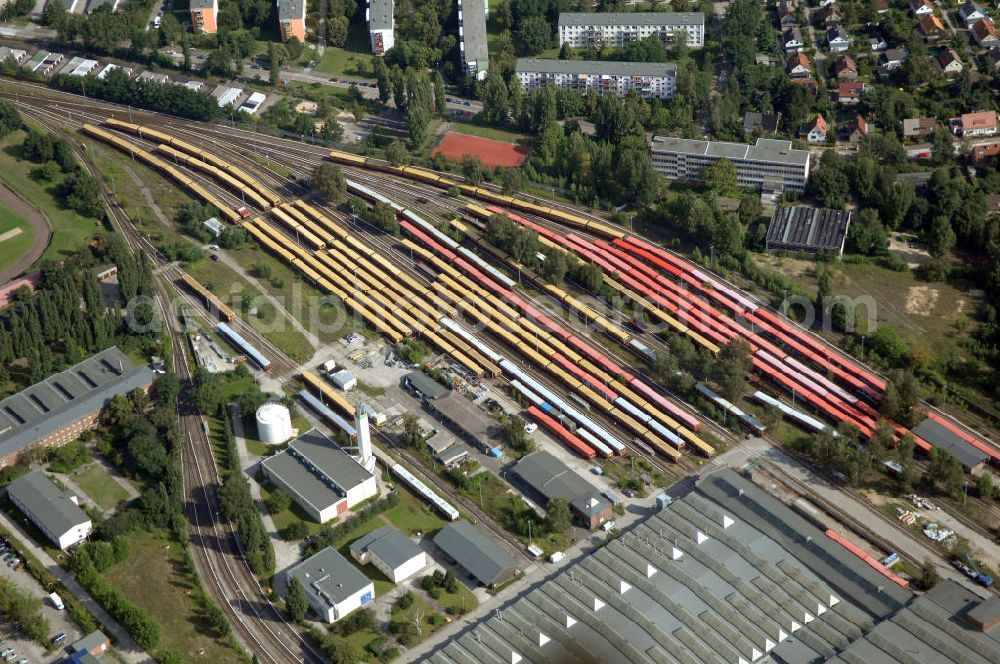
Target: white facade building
{"x": 770, "y": 161}
{"x": 381, "y": 26}
{"x": 55, "y": 512}
{"x": 334, "y": 587}
{"x": 391, "y": 552}
{"x": 472, "y": 40}
{"x": 583, "y": 29}
{"x": 648, "y": 79}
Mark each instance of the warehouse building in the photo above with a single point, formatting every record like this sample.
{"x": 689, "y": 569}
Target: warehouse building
{"x": 58, "y": 409}
{"x": 391, "y": 552}
{"x": 464, "y": 417}
{"x": 204, "y": 16}
{"x": 484, "y": 560}
{"x": 769, "y": 162}
{"x": 423, "y": 386}
{"x": 334, "y": 587}
{"x": 292, "y": 19}
{"x": 598, "y": 29}
{"x": 725, "y": 573}
{"x": 648, "y": 79}
{"x": 381, "y": 27}
{"x": 320, "y": 477}
{"x": 804, "y": 228}
{"x": 472, "y": 37}
{"x": 56, "y": 512}
{"x": 971, "y": 457}
{"x": 546, "y": 477}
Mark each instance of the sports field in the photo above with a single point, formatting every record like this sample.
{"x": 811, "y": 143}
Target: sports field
{"x": 15, "y": 236}
{"x": 493, "y": 153}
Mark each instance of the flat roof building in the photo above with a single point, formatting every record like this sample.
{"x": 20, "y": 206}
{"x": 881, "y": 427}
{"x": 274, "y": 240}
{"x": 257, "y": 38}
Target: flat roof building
{"x": 381, "y": 26}
{"x": 54, "y": 511}
{"x": 472, "y": 37}
{"x": 425, "y": 386}
{"x": 648, "y": 79}
{"x": 940, "y": 436}
{"x": 465, "y": 418}
{"x": 597, "y": 29}
{"x": 334, "y": 587}
{"x": 769, "y": 161}
{"x": 724, "y": 573}
{"x": 226, "y": 96}
{"x": 485, "y": 560}
{"x": 204, "y": 16}
{"x": 153, "y": 77}
{"x": 79, "y": 67}
{"x": 547, "y": 477}
{"x": 95, "y": 643}
{"x": 803, "y": 228}
{"x": 391, "y": 552}
{"x": 321, "y": 478}
{"x": 61, "y": 407}
{"x": 292, "y": 19}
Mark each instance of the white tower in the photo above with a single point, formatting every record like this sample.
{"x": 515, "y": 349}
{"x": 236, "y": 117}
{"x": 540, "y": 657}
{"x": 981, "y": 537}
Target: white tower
{"x": 365, "y": 457}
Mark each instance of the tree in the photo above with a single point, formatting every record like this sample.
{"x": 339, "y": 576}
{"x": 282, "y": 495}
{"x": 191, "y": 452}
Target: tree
{"x": 278, "y": 501}
{"x": 275, "y": 61}
{"x": 941, "y": 237}
{"x": 565, "y": 51}
{"x": 942, "y": 147}
{"x": 510, "y": 180}
{"x": 555, "y": 267}
{"x": 296, "y": 603}
{"x": 534, "y": 35}
{"x": 337, "y": 30}
{"x": 217, "y": 619}
{"x": 928, "y": 576}
{"x": 496, "y": 99}
{"x": 559, "y": 516}
{"x": 329, "y": 180}
{"x": 83, "y": 194}
{"x": 984, "y": 486}
{"x": 946, "y": 471}
{"x": 411, "y": 431}
{"x": 731, "y": 368}
{"x": 472, "y": 169}
{"x": 10, "y": 117}
{"x": 721, "y": 176}
{"x": 396, "y": 153}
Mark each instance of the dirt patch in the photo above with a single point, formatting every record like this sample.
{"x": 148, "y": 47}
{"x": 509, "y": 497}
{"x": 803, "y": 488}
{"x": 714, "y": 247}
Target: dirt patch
{"x": 307, "y": 107}
{"x": 493, "y": 153}
{"x": 39, "y": 226}
{"x": 906, "y": 247}
{"x": 791, "y": 267}
{"x": 920, "y": 300}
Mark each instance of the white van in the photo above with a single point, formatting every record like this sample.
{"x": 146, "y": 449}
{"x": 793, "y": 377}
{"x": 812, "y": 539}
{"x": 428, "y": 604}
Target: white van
{"x": 57, "y": 601}
{"x": 556, "y": 557}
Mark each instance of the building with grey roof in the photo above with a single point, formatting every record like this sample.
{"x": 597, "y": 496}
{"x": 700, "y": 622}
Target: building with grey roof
{"x": 597, "y": 29}
{"x": 453, "y": 455}
{"x": 320, "y": 477}
{"x": 61, "y": 407}
{"x": 810, "y": 229}
{"x": 292, "y": 19}
{"x": 769, "y": 161}
{"x": 472, "y": 37}
{"x": 334, "y": 586}
{"x": 485, "y": 561}
{"x": 95, "y": 643}
{"x": 725, "y": 573}
{"x": 424, "y": 386}
{"x": 54, "y": 511}
{"x": 381, "y": 26}
{"x": 648, "y": 79}
{"x": 391, "y": 552}
{"x": 547, "y": 477}
{"x": 464, "y": 417}
{"x": 971, "y": 457}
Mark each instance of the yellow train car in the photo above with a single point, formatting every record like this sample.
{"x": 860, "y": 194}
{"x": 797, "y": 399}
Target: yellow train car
{"x": 567, "y": 218}
{"x": 599, "y": 228}
{"x": 696, "y": 441}
{"x": 422, "y": 175}
{"x": 663, "y": 448}
{"x": 377, "y": 323}
{"x": 326, "y": 222}
{"x": 477, "y": 212}
{"x": 323, "y": 389}
{"x": 272, "y": 246}
{"x": 301, "y": 233}
{"x": 347, "y": 158}
{"x": 596, "y": 399}
{"x": 210, "y": 299}
{"x": 121, "y": 125}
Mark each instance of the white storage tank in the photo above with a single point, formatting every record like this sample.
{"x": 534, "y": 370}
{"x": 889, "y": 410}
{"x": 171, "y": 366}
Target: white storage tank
{"x": 274, "y": 423}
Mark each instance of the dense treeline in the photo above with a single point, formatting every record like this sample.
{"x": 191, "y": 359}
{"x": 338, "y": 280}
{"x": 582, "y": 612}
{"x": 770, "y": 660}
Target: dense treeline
{"x": 118, "y": 88}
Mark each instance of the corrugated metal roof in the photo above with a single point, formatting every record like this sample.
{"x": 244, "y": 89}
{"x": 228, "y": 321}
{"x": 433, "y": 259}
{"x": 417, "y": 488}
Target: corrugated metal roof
{"x": 942, "y": 437}
{"x": 802, "y": 228}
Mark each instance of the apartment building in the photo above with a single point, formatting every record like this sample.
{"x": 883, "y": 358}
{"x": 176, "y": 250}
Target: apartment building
{"x": 205, "y": 16}
{"x": 769, "y": 162}
{"x": 380, "y": 25}
{"x": 648, "y": 79}
{"x": 583, "y": 29}
{"x": 472, "y": 37}
{"x": 292, "y": 19}
{"x": 54, "y": 511}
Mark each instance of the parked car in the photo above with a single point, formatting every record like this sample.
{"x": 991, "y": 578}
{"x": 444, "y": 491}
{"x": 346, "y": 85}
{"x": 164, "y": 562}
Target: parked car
{"x": 530, "y": 427}
{"x": 58, "y": 638}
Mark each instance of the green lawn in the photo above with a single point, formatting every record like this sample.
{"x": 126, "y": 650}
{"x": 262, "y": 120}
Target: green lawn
{"x": 464, "y": 599}
{"x": 70, "y": 230}
{"x": 100, "y": 486}
{"x": 154, "y": 577}
{"x": 354, "y": 60}
{"x": 13, "y": 247}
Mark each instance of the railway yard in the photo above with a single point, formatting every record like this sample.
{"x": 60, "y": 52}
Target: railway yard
{"x": 579, "y": 368}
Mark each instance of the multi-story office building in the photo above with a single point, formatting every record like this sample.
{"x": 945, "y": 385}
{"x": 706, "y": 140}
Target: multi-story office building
{"x": 770, "y": 162}
{"x": 648, "y": 79}
{"x": 204, "y": 15}
{"x": 380, "y": 25}
{"x": 292, "y": 19}
{"x": 472, "y": 37}
{"x": 583, "y": 29}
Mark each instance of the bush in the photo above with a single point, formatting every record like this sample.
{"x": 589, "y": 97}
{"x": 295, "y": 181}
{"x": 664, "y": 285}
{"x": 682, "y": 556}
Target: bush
{"x": 294, "y": 531}
{"x": 278, "y": 501}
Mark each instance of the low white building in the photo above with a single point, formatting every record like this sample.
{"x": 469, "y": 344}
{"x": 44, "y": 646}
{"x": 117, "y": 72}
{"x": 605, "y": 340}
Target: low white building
{"x": 253, "y": 102}
{"x": 324, "y": 480}
{"x": 56, "y": 512}
{"x": 391, "y": 552}
{"x": 334, "y": 587}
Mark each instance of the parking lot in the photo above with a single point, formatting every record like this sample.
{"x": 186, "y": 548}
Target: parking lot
{"x": 25, "y": 650}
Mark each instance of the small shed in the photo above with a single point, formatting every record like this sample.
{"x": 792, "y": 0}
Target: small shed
{"x": 344, "y": 379}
